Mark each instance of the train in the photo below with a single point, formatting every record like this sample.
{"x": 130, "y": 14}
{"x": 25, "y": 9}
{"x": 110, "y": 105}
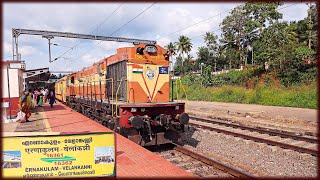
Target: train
{"x": 128, "y": 92}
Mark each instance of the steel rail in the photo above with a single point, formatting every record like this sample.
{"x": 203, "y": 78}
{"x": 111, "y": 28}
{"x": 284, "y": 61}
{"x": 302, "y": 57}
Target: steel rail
{"x": 219, "y": 165}
{"x": 270, "y": 132}
{"x": 267, "y": 141}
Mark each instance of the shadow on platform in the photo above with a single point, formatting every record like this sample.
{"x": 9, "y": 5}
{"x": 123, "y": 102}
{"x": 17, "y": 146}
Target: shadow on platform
{"x": 55, "y": 108}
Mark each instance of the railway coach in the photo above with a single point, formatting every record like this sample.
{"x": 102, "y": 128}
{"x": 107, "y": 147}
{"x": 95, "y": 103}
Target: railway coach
{"x": 128, "y": 92}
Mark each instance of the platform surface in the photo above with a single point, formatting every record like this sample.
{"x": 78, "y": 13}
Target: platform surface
{"x": 132, "y": 160}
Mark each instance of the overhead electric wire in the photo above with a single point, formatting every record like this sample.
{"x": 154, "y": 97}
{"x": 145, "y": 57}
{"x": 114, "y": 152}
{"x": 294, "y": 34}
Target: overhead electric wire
{"x": 116, "y": 30}
{"x": 92, "y": 31}
{"x": 133, "y": 18}
{"x": 195, "y": 24}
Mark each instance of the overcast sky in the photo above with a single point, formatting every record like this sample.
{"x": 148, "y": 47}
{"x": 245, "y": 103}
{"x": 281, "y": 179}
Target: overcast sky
{"x": 157, "y": 23}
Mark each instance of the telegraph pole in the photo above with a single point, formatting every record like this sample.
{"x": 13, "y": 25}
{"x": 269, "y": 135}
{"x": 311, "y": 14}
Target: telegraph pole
{"x": 49, "y": 38}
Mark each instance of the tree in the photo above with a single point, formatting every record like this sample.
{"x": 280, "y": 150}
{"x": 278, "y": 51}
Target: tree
{"x": 178, "y": 68}
{"x": 188, "y": 65}
{"x": 233, "y": 28}
{"x": 211, "y": 41}
{"x": 272, "y": 45}
{"x": 246, "y": 23}
{"x": 203, "y": 56}
{"x": 171, "y": 47}
{"x": 184, "y": 46}
{"x": 312, "y": 26}
{"x": 53, "y": 76}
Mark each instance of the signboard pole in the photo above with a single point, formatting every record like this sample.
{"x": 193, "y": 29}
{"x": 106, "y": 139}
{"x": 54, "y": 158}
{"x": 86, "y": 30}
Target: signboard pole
{"x": 9, "y": 89}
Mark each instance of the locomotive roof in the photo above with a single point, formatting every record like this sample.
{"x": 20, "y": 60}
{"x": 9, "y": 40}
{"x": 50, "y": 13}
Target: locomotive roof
{"x": 126, "y": 53}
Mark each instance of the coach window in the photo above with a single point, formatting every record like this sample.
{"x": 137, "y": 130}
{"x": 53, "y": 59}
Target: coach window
{"x": 99, "y": 69}
{"x": 72, "y": 80}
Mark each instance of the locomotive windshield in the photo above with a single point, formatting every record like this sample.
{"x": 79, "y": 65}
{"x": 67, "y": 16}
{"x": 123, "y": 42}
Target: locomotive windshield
{"x": 151, "y": 49}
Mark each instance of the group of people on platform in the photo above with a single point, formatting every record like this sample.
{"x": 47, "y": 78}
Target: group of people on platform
{"x": 28, "y": 99}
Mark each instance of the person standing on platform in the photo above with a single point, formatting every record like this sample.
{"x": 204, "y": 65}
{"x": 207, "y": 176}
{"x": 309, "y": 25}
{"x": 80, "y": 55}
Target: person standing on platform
{"x": 31, "y": 93}
{"x": 38, "y": 96}
{"x": 29, "y": 99}
{"x": 24, "y": 107}
{"x": 35, "y": 94}
{"x": 52, "y": 98}
{"x": 40, "y": 103}
{"x": 46, "y": 92}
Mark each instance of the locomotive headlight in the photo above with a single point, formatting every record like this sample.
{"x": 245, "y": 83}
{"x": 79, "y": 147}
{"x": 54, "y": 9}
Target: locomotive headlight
{"x": 143, "y": 109}
{"x": 177, "y": 108}
{"x": 133, "y": 109}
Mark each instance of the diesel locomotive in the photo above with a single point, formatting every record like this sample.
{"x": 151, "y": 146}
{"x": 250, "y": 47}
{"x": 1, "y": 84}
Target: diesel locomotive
{"x": 128, "y": 92}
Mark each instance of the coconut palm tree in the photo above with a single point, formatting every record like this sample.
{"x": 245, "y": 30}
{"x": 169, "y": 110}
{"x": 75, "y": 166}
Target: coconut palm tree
{"x": 171, "y": 47}
{"x": 184, "y": 46}
{"x": 210, "y": 38}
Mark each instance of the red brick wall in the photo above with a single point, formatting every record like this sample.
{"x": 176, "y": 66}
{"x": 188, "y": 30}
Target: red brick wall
{"x": 14, "y": 105}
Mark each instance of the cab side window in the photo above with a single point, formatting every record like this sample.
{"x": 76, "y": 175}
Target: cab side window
{"x": 72, "y": 80}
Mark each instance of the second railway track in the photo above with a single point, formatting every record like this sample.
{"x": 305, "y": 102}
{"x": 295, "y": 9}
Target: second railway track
{"x": 283, "y": 140}
{"x": 199, "y": 164}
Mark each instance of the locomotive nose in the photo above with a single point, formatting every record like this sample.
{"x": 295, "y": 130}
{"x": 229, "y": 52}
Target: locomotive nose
{"x": 184, "y": 118}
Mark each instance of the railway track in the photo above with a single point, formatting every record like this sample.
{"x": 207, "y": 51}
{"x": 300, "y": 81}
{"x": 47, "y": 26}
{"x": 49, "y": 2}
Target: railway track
{"x": 198, "y": 164}
{"x": 283, "y": 140}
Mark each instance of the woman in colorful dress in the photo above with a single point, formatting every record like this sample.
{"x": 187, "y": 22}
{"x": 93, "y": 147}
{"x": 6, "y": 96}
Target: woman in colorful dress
{"x": 30, "y": 100}
{"x": 40, "y": 103}
{"x": 24, "y": 106}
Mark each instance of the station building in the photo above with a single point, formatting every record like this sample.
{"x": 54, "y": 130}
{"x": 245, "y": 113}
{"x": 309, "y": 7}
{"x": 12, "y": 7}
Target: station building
{"x": 15, "y": 80}
{"x": 12, "y": 85}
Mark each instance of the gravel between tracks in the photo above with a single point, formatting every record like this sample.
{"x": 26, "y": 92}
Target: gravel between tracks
{"x": 256, "y": 158}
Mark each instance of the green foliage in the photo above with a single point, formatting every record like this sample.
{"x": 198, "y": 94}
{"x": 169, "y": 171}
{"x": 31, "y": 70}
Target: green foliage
{"x": 231, "y": 78}
{"x": 303, "y": 52}
{"x": 206, "y": 76}
{"x": 172, "y": 48}
{"x": 203, "y": 56}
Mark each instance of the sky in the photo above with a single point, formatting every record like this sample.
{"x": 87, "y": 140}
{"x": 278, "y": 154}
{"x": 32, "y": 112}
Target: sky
{"x": 161, "y": 22}
{"x": 15, "y": 153}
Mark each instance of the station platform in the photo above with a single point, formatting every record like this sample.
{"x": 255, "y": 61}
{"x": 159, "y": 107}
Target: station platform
{"x": 132, "y": 160}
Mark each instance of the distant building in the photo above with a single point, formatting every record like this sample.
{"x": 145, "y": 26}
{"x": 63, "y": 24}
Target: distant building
{"x": 19, "y": 80}
{"x": 36, "y": 78}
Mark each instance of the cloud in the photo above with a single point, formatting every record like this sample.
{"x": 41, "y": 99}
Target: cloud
{"x": 7, "y": 48}
{"x": 28, "y": 50}
{"x": 164, "y": 41}
{"x": 89, "y": 59}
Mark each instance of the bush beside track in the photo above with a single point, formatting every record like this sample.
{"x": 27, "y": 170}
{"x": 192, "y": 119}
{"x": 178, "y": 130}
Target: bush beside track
{"x": 250, "y": 87}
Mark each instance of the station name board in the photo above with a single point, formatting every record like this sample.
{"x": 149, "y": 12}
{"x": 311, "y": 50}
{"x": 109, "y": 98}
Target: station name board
{"x": 59, "y": 156}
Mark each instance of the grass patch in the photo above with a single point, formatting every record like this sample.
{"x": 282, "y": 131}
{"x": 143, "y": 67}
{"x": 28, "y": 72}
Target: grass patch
{"x": 303, "y": 96}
